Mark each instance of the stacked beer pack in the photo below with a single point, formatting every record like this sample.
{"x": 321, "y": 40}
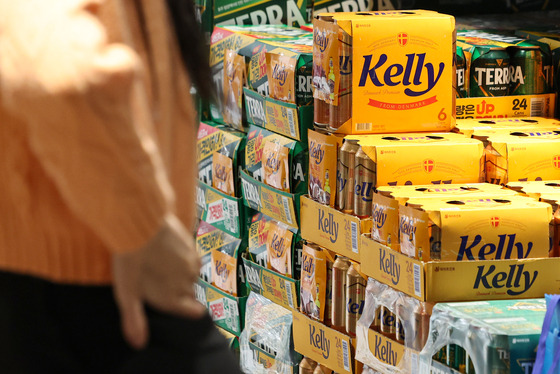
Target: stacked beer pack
{"x": 262, "y": 73}
{"x": 425, "y": 206}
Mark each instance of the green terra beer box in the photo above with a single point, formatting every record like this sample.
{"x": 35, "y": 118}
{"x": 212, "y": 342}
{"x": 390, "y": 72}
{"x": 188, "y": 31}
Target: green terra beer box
{"x": 212, "y": 138}
{"x": 505, "y": 65}
{"x": 249, "y": 42}
{"x": 298, "y": 157}
{"x": 260, "y": 12}
{"x": 220, "y": 254}
{"x": 498, "y": 336}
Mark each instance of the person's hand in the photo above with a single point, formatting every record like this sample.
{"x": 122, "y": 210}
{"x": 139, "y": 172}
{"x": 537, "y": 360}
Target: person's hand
{"x": 162, "y": 275}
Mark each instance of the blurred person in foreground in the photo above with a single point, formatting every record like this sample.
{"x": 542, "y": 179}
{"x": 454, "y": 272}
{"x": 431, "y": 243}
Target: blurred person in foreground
{"x": 97, "y": 176}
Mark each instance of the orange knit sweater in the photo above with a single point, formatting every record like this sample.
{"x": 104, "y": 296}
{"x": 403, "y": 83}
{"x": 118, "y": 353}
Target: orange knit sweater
{"x": 97, "y": 133}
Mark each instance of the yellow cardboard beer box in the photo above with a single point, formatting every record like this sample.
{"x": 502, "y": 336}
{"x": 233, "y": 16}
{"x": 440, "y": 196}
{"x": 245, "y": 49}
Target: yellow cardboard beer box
{"x": 399, "y": 65}
{"x": 385, "y": 212}
{"x": 523, "y": 156}
{"x": 477, "y": 228}
{"x": 419, "y": 158}
{"x": 471, "y": 127}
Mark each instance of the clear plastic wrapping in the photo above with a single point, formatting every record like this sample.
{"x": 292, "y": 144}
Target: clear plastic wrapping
{"x": 268, "y": 331}
{"x": 484, "y": 337}
{"x": 394, "y": 315}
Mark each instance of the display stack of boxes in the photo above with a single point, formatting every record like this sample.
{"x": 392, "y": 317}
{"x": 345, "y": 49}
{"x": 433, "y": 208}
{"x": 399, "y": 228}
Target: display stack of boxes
{"x": 428, "y": 208}
{"x": 252, "y": 156}
{"x": 379, "y": 195}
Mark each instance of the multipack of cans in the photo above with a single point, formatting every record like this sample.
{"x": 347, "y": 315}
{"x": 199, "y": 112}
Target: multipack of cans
{"x": 482, "y": 128}
{"x": 238, "y": 59}
{"x": 398, "y": 318}
{"x": 220, "y": 254}
{"x": 274, "y": 245}
{"x": 388, "y": 200}
{"x": 502, "y": 65}
{"x": 523, "y": 156}
{"x": 478, "y": 228}
{"x": 266, "y": 343}
{"x": 484, "y": 337}
{"x": 276, "y": 160}
{"x": 384, "y": 72}
{"x": 547, "y": 192}
{"x": 332, "y": 289}
{"x": 220, "y": 155}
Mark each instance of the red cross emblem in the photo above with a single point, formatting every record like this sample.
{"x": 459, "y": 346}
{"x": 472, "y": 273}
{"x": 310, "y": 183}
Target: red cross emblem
{"x": 495, "y": 221}
{"x": 403, "y": 38}
{"x": 557, "y": 161}
{"x": 429, "y": 165}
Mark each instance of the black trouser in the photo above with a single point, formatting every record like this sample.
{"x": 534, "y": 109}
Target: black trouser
{"x": 52, "y": 328}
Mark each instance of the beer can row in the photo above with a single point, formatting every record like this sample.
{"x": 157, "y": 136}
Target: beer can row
{"x": 455, "y": 357}
{"x": 344, "y": 296}
{"x": 356, "y": 180}
{"x": 327, "y": 116}
{"x": 497, "y": 65}
{"x": 397, "y": 316}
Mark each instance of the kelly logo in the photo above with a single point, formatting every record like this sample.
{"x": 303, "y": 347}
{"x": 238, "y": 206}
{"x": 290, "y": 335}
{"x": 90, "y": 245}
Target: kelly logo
{"x": 316, "y": 152}
{"x": 273, "y": 163}
{"x": 365, "y": 191}
{"x": 280, "y": 73}
{"x": 353, "y": 307}
{"x": 277, "y": 245}
{"x": 407, "y": 75}
{"x": 319, "y": 340}
{"x": 221, "y": 173}
{"x": 379, "y": 216}
{"x": 388, "y": 264}
{"x": 516, "y": 280}
{"x": 222, "y": 270}
{"x": 383, "y": 350}
{"x": 495, "y": 221}
{"x": 556, "y": 161}
{"x": 321, "y": 40}
{"x": 341, "y": 182}
{"x": 492, "y": 251}
{"x": 328, "y": 225}
{"x": 407, "y": 228}
{"x": 308, "y": 266}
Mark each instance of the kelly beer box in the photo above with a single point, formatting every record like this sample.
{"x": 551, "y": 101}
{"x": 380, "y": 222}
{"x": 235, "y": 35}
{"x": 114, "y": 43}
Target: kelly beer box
{"x": 446, "y": 281}
{"x": 324, "y": 345}
{"x": 333, "y": 229}
{"x": 283, "y": 118}
{"x": 445, "y": 158}
{"x": 387, "y": 201}
{"x": 385, "y": 72}
{"x": 485, "y": 127}
{"x": 523, "y": 156}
